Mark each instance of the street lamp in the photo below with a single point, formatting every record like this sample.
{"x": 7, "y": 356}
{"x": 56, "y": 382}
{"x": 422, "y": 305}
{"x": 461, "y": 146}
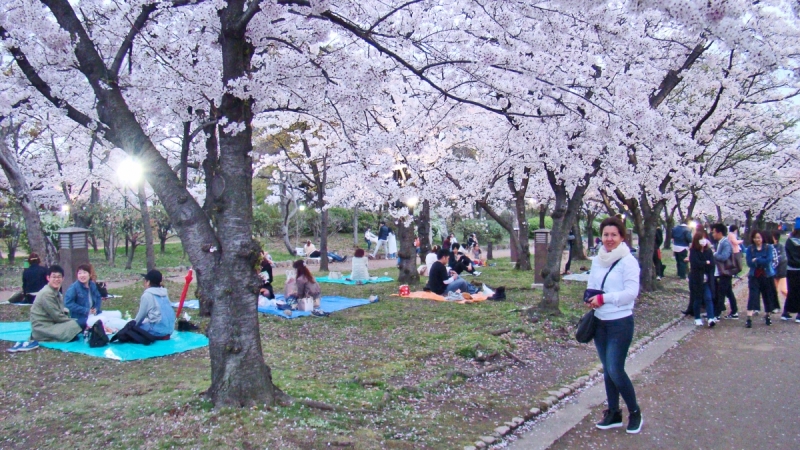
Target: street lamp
{"x": 130, "y": 172}
{"x": 412, "y": 202}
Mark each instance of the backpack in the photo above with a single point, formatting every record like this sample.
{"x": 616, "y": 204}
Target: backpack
{"x": 132, "y": 334}
{"x": 97, "y": 335}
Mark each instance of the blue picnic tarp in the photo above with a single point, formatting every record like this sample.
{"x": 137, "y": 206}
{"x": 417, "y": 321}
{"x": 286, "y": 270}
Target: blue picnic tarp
{"x": 179, "y": 342}
{"x": 328, "y": 304}
{"x": 353, "y": 283}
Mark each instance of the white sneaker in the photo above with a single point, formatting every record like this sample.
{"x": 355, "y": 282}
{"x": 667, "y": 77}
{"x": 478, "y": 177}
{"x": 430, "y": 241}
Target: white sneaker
{"x": 711, "y": 323}
{"x": 486, "y": 290}
{"x": 698, "y": 322}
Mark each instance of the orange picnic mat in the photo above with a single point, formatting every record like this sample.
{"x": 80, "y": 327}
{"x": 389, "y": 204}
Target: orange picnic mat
{"x": 438, "y": 298}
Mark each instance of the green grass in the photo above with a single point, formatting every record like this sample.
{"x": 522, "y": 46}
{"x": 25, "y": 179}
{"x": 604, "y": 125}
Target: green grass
{"x": 393, "y": 357}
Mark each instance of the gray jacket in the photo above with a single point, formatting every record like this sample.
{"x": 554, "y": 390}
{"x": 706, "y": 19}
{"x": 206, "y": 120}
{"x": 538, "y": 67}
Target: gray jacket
{"x": 156, "y": 315}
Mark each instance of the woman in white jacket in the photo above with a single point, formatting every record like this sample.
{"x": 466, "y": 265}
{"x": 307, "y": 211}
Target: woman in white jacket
{"x": 614, "y": 316}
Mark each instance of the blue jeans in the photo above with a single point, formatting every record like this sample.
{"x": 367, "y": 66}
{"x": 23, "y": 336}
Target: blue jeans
{"x": 682, "y": 265}
{"x": 612, "y": 339}
{"x": 460, "y": 284}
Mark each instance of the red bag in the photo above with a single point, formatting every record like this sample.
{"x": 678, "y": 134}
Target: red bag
{"x": 404, "y": 290}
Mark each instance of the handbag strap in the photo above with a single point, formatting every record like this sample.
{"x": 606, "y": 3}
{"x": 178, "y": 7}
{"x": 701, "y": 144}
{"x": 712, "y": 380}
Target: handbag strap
{"x": 609, "y": 271}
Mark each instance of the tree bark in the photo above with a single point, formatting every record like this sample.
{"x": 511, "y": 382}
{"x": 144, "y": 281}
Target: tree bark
{"x": 590, "y": 216}
{"x": 407, "y": 253}
{"x": 129, "y": 262}
{"x": 24, "y": 198}
{"x": 669, "y": 224}
{"x": 565, "y": 213}
{"x": 542, "y": 215}
{"x": 577, "y": 252}
{"x": 148, "y": 229}
{"x": 424, "y": 228}
{"x": 323, "y": 240}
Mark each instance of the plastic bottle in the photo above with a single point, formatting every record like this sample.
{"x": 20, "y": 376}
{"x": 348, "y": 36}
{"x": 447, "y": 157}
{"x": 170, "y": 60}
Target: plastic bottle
{"x": 127, "y": 315}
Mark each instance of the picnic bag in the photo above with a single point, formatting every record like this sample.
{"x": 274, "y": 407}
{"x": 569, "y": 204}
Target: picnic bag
{"x": 305, "y": 304}
{"x": 97, "y": 335}
{"x": 587, "y": 326}
{"x": 132, "y": 334}
{"x": 335, "y": 276}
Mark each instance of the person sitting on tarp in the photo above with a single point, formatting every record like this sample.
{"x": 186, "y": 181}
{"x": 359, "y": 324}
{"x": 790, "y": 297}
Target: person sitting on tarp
{"x": 360, "y": 270}
{"x": 155, "y": 315}
{"x": 34, "y": 278}
{"x": 442, "y": 280}
{"x": 266, "y": 276}
{"x": 83, "y": 297}
{"x": 50, "y": 320}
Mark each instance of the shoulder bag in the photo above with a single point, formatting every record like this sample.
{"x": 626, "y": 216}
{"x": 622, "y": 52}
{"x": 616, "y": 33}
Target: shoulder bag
{"x": 588, "y": 324}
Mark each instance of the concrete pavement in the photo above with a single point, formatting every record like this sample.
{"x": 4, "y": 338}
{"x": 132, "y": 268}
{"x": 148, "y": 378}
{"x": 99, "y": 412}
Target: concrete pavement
{"x": 726, "y": 388}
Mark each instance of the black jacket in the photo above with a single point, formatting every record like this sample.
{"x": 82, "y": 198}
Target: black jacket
{"x": 383, "y": 233}
{"x": 792, "y": 249}
{"x": 33, "y": 279}
{"x": 436, "y": 278}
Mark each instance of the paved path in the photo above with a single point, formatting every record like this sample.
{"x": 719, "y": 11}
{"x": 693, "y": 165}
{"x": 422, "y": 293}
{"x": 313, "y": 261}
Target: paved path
{"x": 726, "y": 388}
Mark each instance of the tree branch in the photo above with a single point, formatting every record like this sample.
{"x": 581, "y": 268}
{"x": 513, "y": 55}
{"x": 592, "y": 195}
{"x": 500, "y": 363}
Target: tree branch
{"x": 137, "y": 25}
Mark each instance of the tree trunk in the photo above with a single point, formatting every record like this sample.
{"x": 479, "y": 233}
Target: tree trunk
{"x": 669, "y": 224}
{"x": 577, "y": 251}
{"x": 323, "y": 240}
{"x": 24, "y": 198}
{"x": 162, "y": 244}
{"x": 489, "y": 251}
{"x": 565, "y": 213}
{"x": 523, "y": 245}
{"x": 542, "y": 215}
{"x": 129, "y": 262}
{"x": 407, "y": 253}
{"x": 148, "y": 229}
{"x": 523, "y": 251}
{"x": 356, "y": 242}
{"x": 647, "y": 243}
{"x": 748, "y": 224}
{"x": 424, "y": 228}
{"x": 590, "y": 216}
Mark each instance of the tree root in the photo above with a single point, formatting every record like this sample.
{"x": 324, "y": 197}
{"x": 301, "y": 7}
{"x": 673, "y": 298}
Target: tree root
{"x": 284, "y": 399}
{"x": 500, "y": 332}
{"x": 514, "y": 357}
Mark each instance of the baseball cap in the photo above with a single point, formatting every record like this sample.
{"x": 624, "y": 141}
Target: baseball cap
{"x": 153, "y": 276}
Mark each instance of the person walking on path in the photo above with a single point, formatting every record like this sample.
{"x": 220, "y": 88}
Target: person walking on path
{"x": 659, "y": 265}
{"x": 792, "y": 249}
{"x": 724, "y": 279}
{"x": 681, "y": 240}
{"x": 701, "y": 268}
{"x": 780, "y": 265}
{"x": 759, "y": 279}
{"x": 383, "y": 237}
{"x": 614, "y": 316}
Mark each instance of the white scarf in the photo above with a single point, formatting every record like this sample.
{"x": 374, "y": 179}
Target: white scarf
{"x": 606, "y": 259}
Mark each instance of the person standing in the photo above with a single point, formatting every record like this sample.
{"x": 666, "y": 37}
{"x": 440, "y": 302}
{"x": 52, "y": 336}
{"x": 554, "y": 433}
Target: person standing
{"x": 701, "y": 258}
{"x": 392, "y": 244}
{"x": 759, "y": 279}
{"x": 780, "y": 265}
{"x": 383, "y": 237}
{"x": 614, "y": 318}
{"x": 724, "y": 253}
{"x": 681, "y": 240}
{"x": 34, "y": 278}
{"x": 792, "y": 249}
{"x": 657, "y": 263}
{"x": 370, "y": 238}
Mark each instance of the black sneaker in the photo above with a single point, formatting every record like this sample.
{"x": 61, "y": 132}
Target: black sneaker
{"x": 635, "y": 422}
{"x": 732, "y": 316}
{"x": 610, "y": 420}
{"x": 767, "y": 320}
{"x": 786, "y": 316}
{"x": 748, "y": 324}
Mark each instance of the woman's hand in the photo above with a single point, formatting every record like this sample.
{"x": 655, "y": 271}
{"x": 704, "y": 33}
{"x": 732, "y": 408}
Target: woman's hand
{"x": 593, "y": 303}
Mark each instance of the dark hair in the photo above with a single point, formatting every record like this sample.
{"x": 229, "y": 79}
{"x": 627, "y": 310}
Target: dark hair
{"x": 435, "y": 249}
{"x": 359, "y": 253}
{"x": 796, "y": 233}
{"x": 614, "y": 222}
{"x": 302, "y": 270}
{"x": 455, "y": 246}
{"x": 442, "y": 253}
{"x": 776, "y": 236}
{"x": 733, "y": 228}
{"x": 55, "y": 268}
{"x": 33, "y": 258}
{"x": 85, "y": 267}
{"x": 154, "y": 277}
{"x": 760, "y": 233}
{"x": 719, "y": 228}
{"x": 699, "y": 234}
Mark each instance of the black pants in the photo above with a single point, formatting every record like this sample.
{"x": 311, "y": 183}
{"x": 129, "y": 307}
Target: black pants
{"x": 682, "y": 265}
{"x": 725, "y": 290}
{"x": 658, "y": 264}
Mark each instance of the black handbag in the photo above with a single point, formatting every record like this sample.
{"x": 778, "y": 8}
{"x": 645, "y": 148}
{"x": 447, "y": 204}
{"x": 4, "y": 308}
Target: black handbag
{"x": 97, "y": 335}
{"x": 587, "y": 326}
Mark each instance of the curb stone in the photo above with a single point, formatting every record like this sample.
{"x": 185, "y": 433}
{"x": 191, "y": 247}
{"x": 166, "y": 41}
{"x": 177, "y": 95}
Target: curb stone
{"x": 565, "y": 391}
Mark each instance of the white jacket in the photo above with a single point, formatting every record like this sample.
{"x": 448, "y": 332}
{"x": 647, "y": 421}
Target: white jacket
{"x": 621, "y": 288}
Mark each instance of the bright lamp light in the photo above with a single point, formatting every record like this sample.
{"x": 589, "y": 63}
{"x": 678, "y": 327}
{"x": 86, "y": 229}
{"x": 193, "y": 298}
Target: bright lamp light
{"x": 130, "y": 172}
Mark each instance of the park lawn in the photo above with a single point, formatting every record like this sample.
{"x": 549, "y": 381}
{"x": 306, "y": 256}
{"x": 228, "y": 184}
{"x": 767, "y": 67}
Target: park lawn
{"x": 403, "y": 363}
